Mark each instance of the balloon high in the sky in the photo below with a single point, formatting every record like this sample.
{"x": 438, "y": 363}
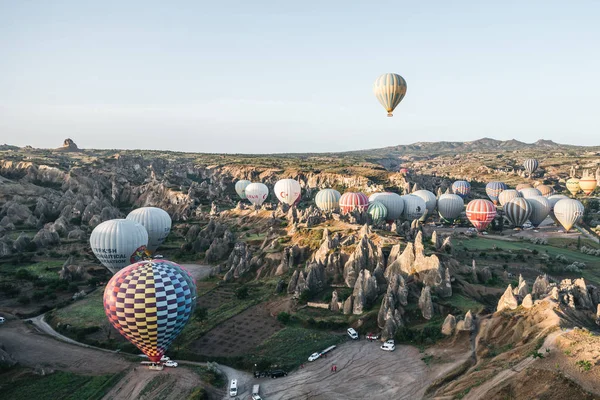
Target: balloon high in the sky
{"x": 517, "y": 211}
{"x": 328, "y": 200}
{"x": 118, "y": 243}
{"x": 588, "y": 184}
{"x": 568, "y": 212}
{"x": 461, "y": 188}
{"x": 573, "y": 186}
{"x": 287, "y": 191}
{"x": 507, "y": 195}
{"x": 157, "y": 223}
{"x": 257, "y": 193}
{"x": 540, "y": 208}
{"x": 450, "y": 206}
{"x": 393, "y": 204}
{"x": 493, "y": 190}
{"x": 389, "y": 90}
{"x": 377, "y": 211}
{"x": 240, "y": 188}
{"x": 530, "y": 165}
{"x": 351, "y": 201}
{"x": 480, "y": 213}
{"x": 149, "y": 303}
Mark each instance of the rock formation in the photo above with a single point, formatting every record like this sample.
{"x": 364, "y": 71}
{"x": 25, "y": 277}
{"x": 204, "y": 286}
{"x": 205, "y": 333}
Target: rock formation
{"x": 425, "y": 304}
{"x": 366, "y": 256}
{"x": 449, "y": 325}
{"x": 239, "y": 261}
{"x": 507, "y": 301}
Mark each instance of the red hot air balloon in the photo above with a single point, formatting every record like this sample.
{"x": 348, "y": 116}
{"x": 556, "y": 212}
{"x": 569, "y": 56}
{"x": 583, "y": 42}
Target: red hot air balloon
{"x": 353, "y": 200}
{"x": 481, "y": 212}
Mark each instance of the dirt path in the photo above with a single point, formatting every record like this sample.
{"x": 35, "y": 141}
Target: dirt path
{"x": 200, "y": 271}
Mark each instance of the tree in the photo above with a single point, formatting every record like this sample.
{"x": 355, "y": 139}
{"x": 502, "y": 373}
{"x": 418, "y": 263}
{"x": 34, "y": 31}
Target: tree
{"x": 241, "y": 293}
{"x": 200, "y": 314}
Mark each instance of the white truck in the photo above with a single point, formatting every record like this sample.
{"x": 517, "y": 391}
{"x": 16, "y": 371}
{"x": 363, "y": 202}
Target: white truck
{"x": 255, "y": 394}
{"x": 233, "y": 389}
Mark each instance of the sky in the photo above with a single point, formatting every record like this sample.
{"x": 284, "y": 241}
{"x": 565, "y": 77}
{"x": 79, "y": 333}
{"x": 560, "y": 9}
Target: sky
{"x": 276, "y": 76}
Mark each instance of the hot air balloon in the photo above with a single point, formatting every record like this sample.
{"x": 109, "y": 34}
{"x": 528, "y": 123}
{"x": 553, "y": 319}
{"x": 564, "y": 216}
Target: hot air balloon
{"x": 149, "y": 303}
{"x": 480, "y": 213}
{"x": 555, "y": 198}
{"x": 530, "y": 165}
{"x": 522, "y": 186}
{"x": 588, "y": 184}
{"x": 403, "y": 171}
{"x": 517, "y": 211}
{"x": 118, "y": 243}
{"x": 414, "y": 207}
{"x": 540, "y": 207}
{"x": 507, "y": 195}
{"x": 461, "y": 188}
{"x": 568, "y": 212}
{"x": 377, "y": 211}
{"x": 450, "y": 206}
{"x": 328, "y": 200}
{"x": 493, "y": 190}
{"x": 240, "y": 188}
{"x": 393, "y": 203}
{"x": 351, "y": 201}
{"x": 573, "y": 186}
{"x": 389, "y": 90}
{"x": 257, "y": 193}
{"x": 287, "y": 191}
{"x": 529, "y": 192}
{"x": 545, "y": 190}
{"x": 430, "y": 202}
{"x": 157, "y": 223}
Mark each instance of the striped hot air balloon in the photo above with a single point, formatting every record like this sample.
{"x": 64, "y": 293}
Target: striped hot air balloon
{"x": 517, "y": 211}
{"x": 450, "y": 206}
{"x": 493, "y": 190}
{"x": 430, "y": 202}
{"x": 328, "y": 200}
{"x": 257, "y": 193}
{"x": 545, "y": 190}
{"x": 522, "y": 186}
{"x": 389, "y": 90}
{"x": 149, "y": 303}
{"x": 351, "y": 201}
{"x": 157, "y": 223}
{"x": 377, "y": 211}
{"x": 568, "y": 212}
{"x": 461, "y": 188}
{"x": 529, "y": 192}
{"x": 555, "y": 198}
{"x": 530, "y": 165}
{"x": 287, "y": 191}
{"x": 588, "y": 184}
{"x": 480, "y": 213}
{"x": 240, "y": 188}
{"x": 507, "y": 195}
{"x": 540, "y": 207}
{"x": 118, "y": 243}
{"x": 414, "y": 207}
{"x": 573, "y": 186}
{"x": 393, "y": 203}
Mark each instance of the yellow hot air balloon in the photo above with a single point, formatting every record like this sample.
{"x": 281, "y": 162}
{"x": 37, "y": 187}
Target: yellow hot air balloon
{"x": 573, "y": 186}
{"x": 587, "y": 184}
{"x": 389, "y": 90}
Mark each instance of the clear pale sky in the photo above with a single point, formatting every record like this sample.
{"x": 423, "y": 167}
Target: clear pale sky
{"x": 279, "y": 76}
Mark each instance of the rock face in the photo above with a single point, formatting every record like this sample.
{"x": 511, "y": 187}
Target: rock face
{"x": 348, "y": 306}
{"x": 366, "y": 256}
{"x": 449, "y": 325}
{"x": 334, "y": 305}
{"x": 414, "y": 262}
{"x": 425, "y": 304}
{"x": 508, "y": 300}
{"x": 523, "y": 289}
{"x": 329, "y": 256}
{"x": 239, "y": 261}
{"x": 445, "y": 289}
{"x": 45, "y": 238}
{"x": 365, "y": 291}
{"x": 68, "y": 146}
{"x": 468, "y": 323}
{"x": 540, "y": 287}
{"x": 390, "y": 313}
{"x": 527, "y": 301}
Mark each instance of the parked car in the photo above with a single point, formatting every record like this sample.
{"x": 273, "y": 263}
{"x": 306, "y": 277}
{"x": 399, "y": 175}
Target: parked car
{"x": 278, "y": 373}
{"x": 233, "y": 388}
{"x": 314, "y": 356}
{"x": 372, "y": 336}
{"x": 164, "y": 358}
{"x": 389, "y": 345}
{"x": 2, "y": 320}
{"x": 171, "y": 363}
{"x": 352, "y": 333}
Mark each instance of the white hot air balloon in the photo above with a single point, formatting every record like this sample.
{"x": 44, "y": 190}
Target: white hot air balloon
{"x": 287, "y": 191}
{"x": 540, "y": 208}
{"x": 529, "y": 192}
{"x": 257, "y": 193}
{"x": 414, "y": 207}
{"x": 240, "y": 188}
{"x": 393, "y": 203}
{"x": 555, "y": 198}
{"x": 430, "y": 201}
{"x": 157, "y": 223}
{"x": 507, "y": 195}
{"x": 118, "y": 243}
{"x": 568, "y": 212}
{"x": 328, "y": 200}
{"x": 450, "y": 206}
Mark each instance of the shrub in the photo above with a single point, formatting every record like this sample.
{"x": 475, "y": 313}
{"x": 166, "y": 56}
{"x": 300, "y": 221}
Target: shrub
{"x": 24, "y": 274}
{"x": 23, "y": 299}
{"x": 9, "y": 290}
{"x": 283, "y": 317}
{"x": 37, "y": 296}
{"x": 200, "y": 314}
{"x": 73, "y": 288}
{"x": 241, "y": 293}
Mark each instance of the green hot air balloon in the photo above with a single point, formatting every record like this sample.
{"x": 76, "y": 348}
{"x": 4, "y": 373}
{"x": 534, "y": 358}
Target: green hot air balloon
{"x": 377, "y": 211}
{"x": 389, "y": 90}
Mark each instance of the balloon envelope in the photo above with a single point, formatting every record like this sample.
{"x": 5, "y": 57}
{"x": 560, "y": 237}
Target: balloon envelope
{"x": 517, "y": 211}
{"x": 328, "y": 200}
{"x": 480, "y": 213}
{"x": 522, "y": 186}
{"x": 287, "y": 191}
{"x": 157, "y": 223}
{"x": 545, "y": 190}
{"x": 414, "y": 207}
{"x": 461, "y": 188}
{"x": 540, "y": 208}
{"x": 377, "y": 211}
{"x": 240, "y": 188}
{"x": 588, "y": 184}
{"x": 389, "y": 90}
{"x": 529, "y": 192}
{"x": 530, "y": 165}
{"x": 450, "y": 206}
{"x": 149, "y": 303}
{"x": 555, "y": 198}
{"x": 351, "y": 201}
{"x": 257, "y": 193}
{"x": 573, "y": 186}
{"x": 493, "y": 190}
{"x": 507, "y": 195}
{"x": 568, "y": 212}
{"x": 118, "y": 243}
{"x": 393, "y": 203}
{"x": 430, "y": 201}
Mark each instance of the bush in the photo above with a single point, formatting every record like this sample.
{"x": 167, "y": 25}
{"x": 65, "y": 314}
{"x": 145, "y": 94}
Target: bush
{"x": 241, "y": 293}
{"x": 200, "y": 314}
{"x": 198, "y": 394}
{"x": 9, "y": 290}
{"x": 23, "y": 299}
{"x": 24, "y": 274}
{"x": 283, "y": 317}
{"x": 73, "y": 288}
{"x": 37, "y": 296}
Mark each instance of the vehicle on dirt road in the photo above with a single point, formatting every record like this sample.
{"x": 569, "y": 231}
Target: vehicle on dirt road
{"x": 278, "y": 373}
{"x": 352, "y": 333}
{"x": 171, "y": 363}
{"x": 2, "y": 320}
{"x": 372, "y": 336}
{"x": 233, "y": 388}
{"x": 314, "y": 356}
{"x": 255, "y": 394}
{"x": 389, "y": 345}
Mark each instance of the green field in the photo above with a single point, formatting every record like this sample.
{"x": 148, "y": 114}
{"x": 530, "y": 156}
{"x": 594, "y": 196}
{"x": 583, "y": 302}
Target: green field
{"x": 84, "y": 313}
{"x": 41, "y": 269}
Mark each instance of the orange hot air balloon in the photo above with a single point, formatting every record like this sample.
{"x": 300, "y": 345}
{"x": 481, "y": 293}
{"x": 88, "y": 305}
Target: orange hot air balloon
{"x": 588, "y": 184}
{"x": 480, "y": 213}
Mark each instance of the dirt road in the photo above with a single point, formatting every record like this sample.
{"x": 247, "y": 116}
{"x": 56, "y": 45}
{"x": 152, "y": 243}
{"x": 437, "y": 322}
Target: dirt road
{"x": 200, "y": 271}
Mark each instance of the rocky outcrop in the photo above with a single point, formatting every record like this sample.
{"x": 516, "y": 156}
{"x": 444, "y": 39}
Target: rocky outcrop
{"x": 413, "y": 261}
{"x": 365, "y": 291}
{"x": 329, "y": 256}
{"x": 334, "y": 304}
{"x": 389, "y": 318}
{"x": 46, "y": 238}
{"x": 523, "y": 289}
{"x": 68, "y": 146}
{"x": 540, "y": 287}
{"x": 467, "y": 322}
{"x": 445, "y": 289}
{"x": 366, "y": 256}
{"x": 348, "y": 306}
{"x": 527, "y": 301}
{"x": 449, "y": 325}
{"x": 425, "y": 303}
{"x": 238, "y": 262}
{"x": 484, "y": 275}
{"x": 220, "y": 247}
{"x": 508, "y": 300}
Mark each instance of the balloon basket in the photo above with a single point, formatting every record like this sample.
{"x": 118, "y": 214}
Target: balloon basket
{"x": 390, "y": 115}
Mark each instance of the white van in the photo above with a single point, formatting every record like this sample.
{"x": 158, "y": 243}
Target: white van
{"x": 255, "y": 390}
{"x": 233, "y": 388}
{"x": 352, "y": 333}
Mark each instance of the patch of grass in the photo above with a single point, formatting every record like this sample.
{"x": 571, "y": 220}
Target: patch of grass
{"x": 208, "y": 376}
{"x": 153, "y": 384}
{"x": 47, "y": 270}
{"x": 60, "y": 385}
{"x": 84, "y": 313}
{"x": 463, "y": 303}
